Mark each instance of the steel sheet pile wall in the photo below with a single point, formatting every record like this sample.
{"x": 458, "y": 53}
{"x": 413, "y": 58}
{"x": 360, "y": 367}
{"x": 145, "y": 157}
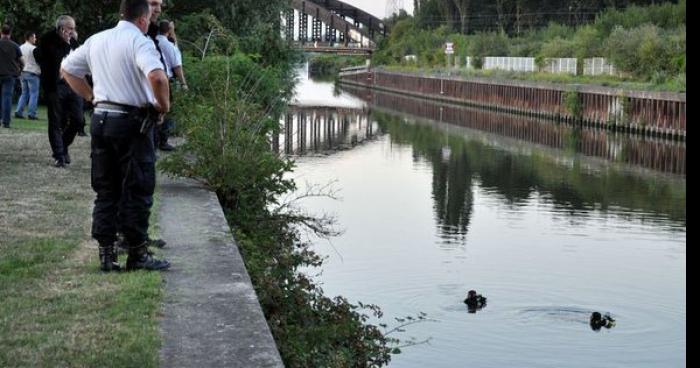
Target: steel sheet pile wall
{"x": 660, "y": 155}
{"x": 653, "y": 113}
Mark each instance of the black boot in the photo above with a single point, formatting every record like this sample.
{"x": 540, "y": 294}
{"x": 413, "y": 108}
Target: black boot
{"x": 141, "y": 259}
{"x": 108, "y": 259}
{"x": 165, "y": 146}
{"x": 156, "y": 243}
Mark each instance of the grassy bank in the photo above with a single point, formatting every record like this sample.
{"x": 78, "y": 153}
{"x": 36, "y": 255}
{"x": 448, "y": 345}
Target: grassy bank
{"x": 57, "y": 308}
{"x": 629, "y": 84}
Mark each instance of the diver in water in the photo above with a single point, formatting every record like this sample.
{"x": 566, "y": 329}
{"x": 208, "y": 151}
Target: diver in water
{"x": 474, "y": 301}
{"x": 599, "y": 321}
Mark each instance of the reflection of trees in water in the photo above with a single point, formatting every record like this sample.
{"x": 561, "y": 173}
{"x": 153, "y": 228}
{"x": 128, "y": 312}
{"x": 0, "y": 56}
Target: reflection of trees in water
{"x": 452, "y": 192}
{"x": 658, "y": 155}
{"x": 570, "y": 188}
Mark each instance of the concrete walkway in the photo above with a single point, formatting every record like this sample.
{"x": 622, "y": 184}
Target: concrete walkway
{"x": 211, "y": 316}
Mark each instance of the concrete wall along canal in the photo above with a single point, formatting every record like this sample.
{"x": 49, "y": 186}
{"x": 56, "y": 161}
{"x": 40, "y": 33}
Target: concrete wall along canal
{"x": 660, "y": 114}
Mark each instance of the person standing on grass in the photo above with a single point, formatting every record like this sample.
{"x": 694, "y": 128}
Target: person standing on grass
{"x": 11, "y": 64}
{"x": 65, "y": 107}
{"x": 29, "y": 79}
{"x": 130, "y": 94}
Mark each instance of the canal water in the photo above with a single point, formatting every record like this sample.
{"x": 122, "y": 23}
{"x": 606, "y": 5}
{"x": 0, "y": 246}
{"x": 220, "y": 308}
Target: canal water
{"x": 548, "y": 222}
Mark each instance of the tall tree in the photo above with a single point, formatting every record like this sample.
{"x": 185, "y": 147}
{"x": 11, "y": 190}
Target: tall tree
{"x": 463, "y": 7}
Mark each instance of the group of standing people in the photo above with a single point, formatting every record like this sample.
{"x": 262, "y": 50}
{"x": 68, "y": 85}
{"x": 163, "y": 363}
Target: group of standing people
{"x": 125, "y": 75}
{"x": 65, "y": 108}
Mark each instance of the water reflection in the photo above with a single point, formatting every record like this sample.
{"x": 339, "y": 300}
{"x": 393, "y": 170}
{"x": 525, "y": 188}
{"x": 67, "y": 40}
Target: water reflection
{"x": 550, "y": 223}
{"x": 323, "y": 129}
{"x": 565, "y": 176}
{"x": 658, "y": 155}
{"x": 573, "y": 183}
{"x": 573, "y": 188}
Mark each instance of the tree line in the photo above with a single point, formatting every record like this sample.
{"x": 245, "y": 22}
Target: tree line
{"x": 511, "y": 16}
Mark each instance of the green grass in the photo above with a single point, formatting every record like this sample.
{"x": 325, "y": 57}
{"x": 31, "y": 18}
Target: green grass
{"x": 31, "y": 125}
{"x": 57, "y": 309}
{"x": 603, "y": 80}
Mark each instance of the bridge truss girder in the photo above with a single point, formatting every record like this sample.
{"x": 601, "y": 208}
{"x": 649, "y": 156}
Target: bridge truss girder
{"x": 349, "y": 31}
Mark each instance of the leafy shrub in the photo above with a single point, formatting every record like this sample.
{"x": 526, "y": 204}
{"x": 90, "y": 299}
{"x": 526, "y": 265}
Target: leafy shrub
{"x": 228, "y": 117}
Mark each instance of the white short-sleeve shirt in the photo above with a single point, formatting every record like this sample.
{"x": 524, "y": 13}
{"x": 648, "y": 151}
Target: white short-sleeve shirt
{"x": 169, "y": 52}
{"x": 119, "y": 60}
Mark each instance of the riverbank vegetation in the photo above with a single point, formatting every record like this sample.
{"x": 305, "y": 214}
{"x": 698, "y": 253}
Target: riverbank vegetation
{"x": 227, "y": 119}
{"x": 646, "y": 44}
{"x": 241, "y": 74}
{"x": 238, "y": 92}
{"x": 328, "y": 66}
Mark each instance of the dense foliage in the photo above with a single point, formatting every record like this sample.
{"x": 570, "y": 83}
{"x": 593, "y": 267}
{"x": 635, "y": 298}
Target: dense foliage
{"x": 328, "y": 66}
{"x": 645, "y": 43}
{"x": 511, "y": 16}
{"x": 227, "y": 118}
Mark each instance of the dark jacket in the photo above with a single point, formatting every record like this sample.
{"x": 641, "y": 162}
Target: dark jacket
{"x": 10, "y": 56}
{"x": 49, "y": 52}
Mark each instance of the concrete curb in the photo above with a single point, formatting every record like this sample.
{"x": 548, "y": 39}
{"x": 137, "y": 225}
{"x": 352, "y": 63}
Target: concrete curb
{"x": 211, "y": 314}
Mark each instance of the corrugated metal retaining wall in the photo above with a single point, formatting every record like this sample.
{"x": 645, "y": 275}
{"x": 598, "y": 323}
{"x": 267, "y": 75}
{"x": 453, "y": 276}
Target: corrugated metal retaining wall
{"x": 655, "y": 113}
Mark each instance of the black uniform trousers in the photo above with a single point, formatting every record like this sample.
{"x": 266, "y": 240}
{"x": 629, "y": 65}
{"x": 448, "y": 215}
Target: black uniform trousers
{"x": 65, "y": 113}
{"x": 123, "y": 176}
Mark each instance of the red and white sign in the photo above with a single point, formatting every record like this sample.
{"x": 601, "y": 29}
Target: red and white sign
{"x": 449, "y": 48}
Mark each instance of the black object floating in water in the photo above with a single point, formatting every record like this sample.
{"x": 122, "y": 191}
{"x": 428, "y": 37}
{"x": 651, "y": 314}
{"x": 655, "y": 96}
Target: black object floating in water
{"x": 599, "y": 321}
{"x": 474, "y": 301}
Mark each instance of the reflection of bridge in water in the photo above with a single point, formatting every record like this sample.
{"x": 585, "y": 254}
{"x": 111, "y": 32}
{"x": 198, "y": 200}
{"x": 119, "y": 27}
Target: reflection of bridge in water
{"x": 322, "y": 129}
{"x": 659, "y": 155}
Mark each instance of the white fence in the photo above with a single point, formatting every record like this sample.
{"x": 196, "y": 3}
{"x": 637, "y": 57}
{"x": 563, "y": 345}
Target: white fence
{"x": 593, "y": 66}
{"x": 518, "y": 64}
{"x": 561, "y": 65}
{"x": 597, "y": 66}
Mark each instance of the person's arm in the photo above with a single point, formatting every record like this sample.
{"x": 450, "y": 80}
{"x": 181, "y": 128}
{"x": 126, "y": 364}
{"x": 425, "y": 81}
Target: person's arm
{"x": 180, "y": 74}
{"x": 161, "y": 90}
{"x": 73, "y": 69}
{"x": 79, "y": 85}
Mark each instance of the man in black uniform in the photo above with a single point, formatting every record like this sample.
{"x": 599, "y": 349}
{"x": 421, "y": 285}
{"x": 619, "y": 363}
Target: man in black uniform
{"x": 130, "y": 96}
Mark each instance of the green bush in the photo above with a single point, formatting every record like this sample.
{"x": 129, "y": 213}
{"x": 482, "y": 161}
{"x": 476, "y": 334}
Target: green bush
{"x": 647, "y": 51}
{"x": 228, "y": 116}
{"x": 488, "y": 44}
{"x": 328, "y": 66}
{"x": 572, "y": 103}
{"x": 558, "y": 48}
{"x": 666, "y": 15}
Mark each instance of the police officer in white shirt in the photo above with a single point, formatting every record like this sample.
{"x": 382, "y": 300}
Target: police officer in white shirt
{"x": 173, "y": 65}
{"x": 130, "y": 95}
